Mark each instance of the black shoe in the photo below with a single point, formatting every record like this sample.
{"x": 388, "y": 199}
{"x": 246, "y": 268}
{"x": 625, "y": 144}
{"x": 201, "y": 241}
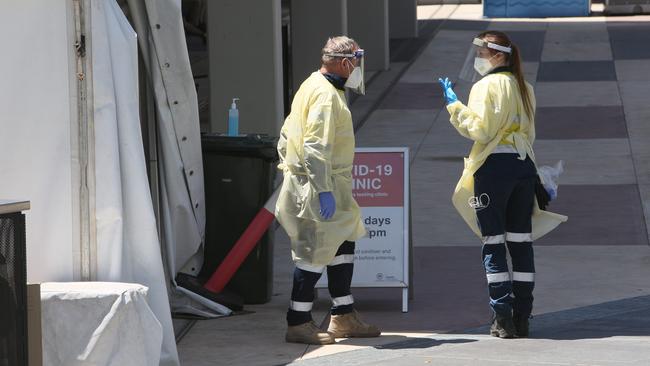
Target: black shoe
{"x": 503, "y": 327}
{"x": 521, "y": 325}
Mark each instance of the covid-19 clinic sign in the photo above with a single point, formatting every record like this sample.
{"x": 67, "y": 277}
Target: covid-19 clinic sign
{"x": 380, "y": 181}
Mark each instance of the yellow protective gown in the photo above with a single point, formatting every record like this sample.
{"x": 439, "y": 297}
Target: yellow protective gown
{"x": 316, "y": 150}
{"x": 494, "y": 104}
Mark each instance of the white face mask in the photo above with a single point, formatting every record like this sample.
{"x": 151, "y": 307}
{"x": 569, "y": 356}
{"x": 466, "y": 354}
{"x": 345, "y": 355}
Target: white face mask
{"x": 355, "y": 81}
{"x": 483, "y": 65}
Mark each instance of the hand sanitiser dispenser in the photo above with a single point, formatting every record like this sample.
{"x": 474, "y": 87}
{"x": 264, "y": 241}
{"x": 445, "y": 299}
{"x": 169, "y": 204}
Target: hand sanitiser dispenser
{"x": 233, "y": 118}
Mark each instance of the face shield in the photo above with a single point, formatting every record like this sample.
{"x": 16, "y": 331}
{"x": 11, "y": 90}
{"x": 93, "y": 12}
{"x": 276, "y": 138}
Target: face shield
{"x": 355, "y": 81}
{"x": 479, "y": 60}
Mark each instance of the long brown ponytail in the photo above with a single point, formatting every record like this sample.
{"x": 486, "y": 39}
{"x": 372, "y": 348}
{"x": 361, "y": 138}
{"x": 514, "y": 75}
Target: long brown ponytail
{"x": 514, "y": 62}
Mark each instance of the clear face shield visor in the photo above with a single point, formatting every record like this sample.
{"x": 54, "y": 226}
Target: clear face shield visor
{"x": 355, "y": 81}
{"x": 477, "y": 63}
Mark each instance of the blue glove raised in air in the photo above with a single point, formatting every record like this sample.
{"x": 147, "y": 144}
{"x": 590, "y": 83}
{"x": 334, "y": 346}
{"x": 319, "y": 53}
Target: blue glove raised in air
{"x": 446, "y": 85}
{"x": 327, "y": 204}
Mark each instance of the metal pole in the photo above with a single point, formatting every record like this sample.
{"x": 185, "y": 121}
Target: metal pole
{"x": 85, "y": 139}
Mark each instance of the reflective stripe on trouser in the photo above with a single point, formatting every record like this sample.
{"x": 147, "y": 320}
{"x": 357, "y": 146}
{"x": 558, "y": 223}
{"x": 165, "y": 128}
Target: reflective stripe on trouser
{"x": 305, "y": 277}
{"x": 339, "y": 277}
{"x": 523, "y": 277}
{"x": 501, "y": 285}
{"x": 498, "y": 278}
{"x": 506, "y": 187}
{"x": 302, "y": 296}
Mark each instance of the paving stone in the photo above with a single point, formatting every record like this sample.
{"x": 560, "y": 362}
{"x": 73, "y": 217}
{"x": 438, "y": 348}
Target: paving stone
{"x": 633, "y": 31}
{"x": 598, "y": 215}
{"x": 473, "y": 25}
{"x": 609, "y": 161}
{"x": 396, "y": 128}
{"x": 630, "y": 50}
{"x": 404, "y": 50}
{"x": 577, "y": 71}
{"x": 530, "y": 43}
{"x": 628, "y": 39}
{"x": 433, "y": 298}
{"x": 413, "y": 96}
{"x": 580, "y": 122}
{"x": 472, "y": 12}
{"x": 572, "y": 32}
{"x": 577, "y": 51}
{"x": 611, "y": 333}
{"x": 633, "y": 70}
{"x": 577, "y": 94}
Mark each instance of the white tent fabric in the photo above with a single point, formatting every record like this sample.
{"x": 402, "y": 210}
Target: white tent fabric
{"x": 37, "y": 147}
{"x": 39, "y": 155}
{"x": 128, "y": 249}
{"x": 159, "y": 25}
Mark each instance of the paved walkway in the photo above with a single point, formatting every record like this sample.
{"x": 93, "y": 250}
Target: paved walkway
{"x": 592, "y": 307}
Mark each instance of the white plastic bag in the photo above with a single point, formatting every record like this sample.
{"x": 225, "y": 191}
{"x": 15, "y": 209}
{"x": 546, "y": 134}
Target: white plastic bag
{"x": 550, "y": 177}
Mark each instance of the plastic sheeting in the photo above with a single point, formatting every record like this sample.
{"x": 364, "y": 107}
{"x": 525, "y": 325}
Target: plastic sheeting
{"x": 98, "y": 323}
{"x": 128, "y": 249}
{"x": 39, "y": 155}
{"x": 159, "y": 25}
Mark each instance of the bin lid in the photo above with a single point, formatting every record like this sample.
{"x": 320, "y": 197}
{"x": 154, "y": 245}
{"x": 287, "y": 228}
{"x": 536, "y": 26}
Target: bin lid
{"x": 251, "y": 145}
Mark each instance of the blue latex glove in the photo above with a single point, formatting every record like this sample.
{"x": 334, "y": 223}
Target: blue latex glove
{"x": 327, "y": 204}
{"x": 446, "y": 85}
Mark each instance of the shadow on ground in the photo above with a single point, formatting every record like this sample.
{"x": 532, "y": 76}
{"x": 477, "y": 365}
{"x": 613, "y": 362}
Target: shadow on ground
{"x": 421, "y": 343}
{"x": 379, "y": 352}
{"x": 627, "y": 317}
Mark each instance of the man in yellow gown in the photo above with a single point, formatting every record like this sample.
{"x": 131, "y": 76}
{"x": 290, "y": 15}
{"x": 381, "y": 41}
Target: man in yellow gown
{"x": 315, "y": 206}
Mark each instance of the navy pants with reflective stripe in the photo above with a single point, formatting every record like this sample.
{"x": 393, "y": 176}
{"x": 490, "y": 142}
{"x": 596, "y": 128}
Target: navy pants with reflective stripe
{"x": 504, "y": 189}
{"x": 339, "y": 277}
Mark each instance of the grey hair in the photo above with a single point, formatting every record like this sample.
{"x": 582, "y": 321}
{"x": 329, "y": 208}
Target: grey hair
{"x": 340, "y": 44}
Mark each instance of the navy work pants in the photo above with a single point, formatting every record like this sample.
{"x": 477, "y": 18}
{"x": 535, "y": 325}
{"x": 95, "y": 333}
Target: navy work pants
{"x": 504, "y": 189}
{"x": 339, "y": 276}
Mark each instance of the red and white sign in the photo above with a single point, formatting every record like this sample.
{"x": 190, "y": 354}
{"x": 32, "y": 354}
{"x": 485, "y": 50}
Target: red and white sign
{"x": 380, "y": 181}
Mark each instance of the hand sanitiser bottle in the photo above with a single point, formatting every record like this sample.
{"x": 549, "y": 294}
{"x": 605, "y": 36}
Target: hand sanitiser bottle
{"x": 233, "y": 118}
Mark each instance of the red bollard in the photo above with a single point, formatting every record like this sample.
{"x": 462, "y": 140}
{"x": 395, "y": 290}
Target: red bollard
{"x": 244, "y": 245}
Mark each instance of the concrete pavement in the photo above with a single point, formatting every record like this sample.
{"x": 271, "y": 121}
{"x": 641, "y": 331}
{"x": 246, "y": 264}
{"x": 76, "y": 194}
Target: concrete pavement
{"x": 592, "y": 305}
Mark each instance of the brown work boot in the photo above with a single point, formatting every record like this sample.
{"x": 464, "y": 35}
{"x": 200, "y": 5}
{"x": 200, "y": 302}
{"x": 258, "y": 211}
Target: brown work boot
{"x": 308, "y": 333}
{"x": 503, "y": 327}
{"x": 350, "y": 325}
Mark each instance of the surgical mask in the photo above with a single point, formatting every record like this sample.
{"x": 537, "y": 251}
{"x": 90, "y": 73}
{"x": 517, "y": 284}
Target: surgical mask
{"x": 483, "y": 65}
{"x": 355, "y": 81}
